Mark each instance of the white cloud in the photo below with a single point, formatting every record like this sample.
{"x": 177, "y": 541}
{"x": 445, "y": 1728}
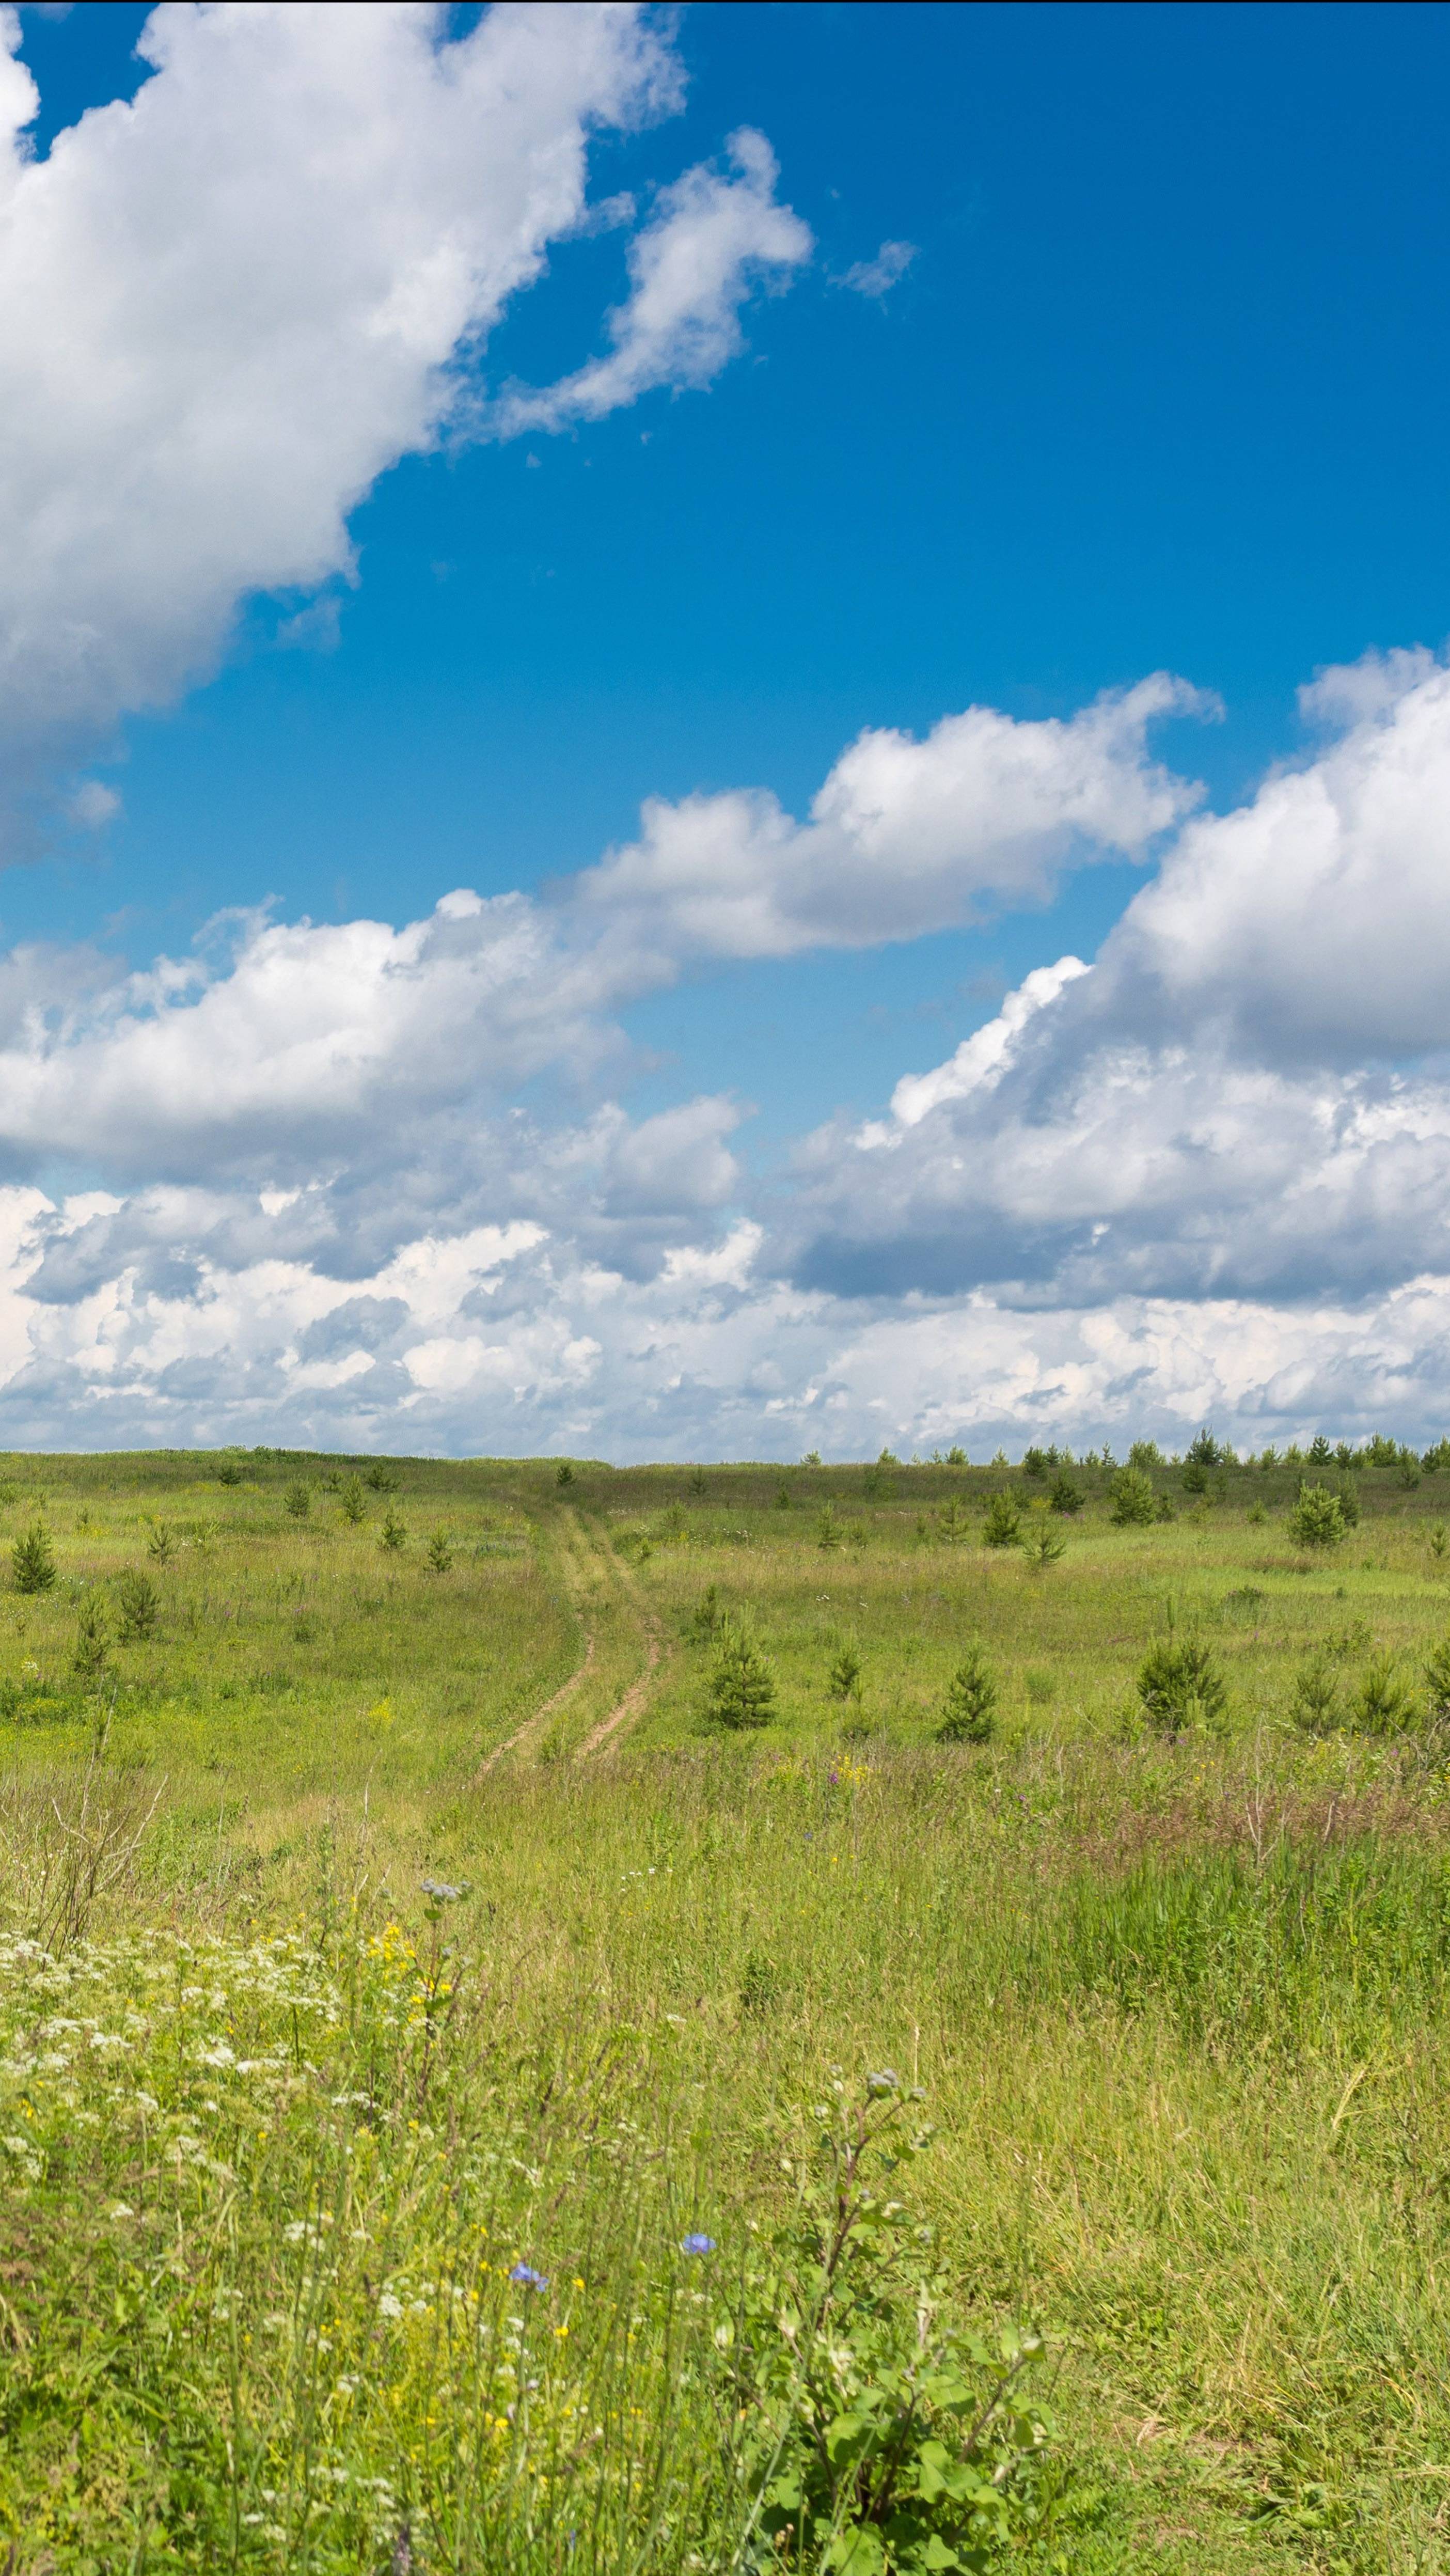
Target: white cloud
{"x": 1236, "y": 1099}
{"x": 904, "y": 837}
{"x": 712, "y": 242}
{"x": 230, "y": 304}
{"x": 1312, "y": 921}
{"x": 503, "y": 1340}
{"x": 876, "y": 277}
{"x": 1119, "y": 1202}
{"x": 93, "y": 805}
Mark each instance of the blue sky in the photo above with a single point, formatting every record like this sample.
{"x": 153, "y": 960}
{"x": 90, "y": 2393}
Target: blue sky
{"x": 1160, "y": 386}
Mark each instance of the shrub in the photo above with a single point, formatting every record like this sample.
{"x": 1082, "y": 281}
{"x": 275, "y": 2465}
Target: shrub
{"x": 1439, "y": 1541}
{"x": 139, "y": 1603}
{"x": 1043, "y": 1546}
{"x": 708, "y": 1617}
{"x": 93, "y": 1641}
{"x": 351, "y": 1501}
{"x": 1384, "y": 1703}
{"x": 1317, "y": 1519}
{"x": 1316, "y": 1704}
{"x": 1195, "y": 1476}
{"x": 1178, "y": 1681}
{"x": 31, "y": 1560}
{"x": 1003, "y": 1524}
{"x": 392, "y": 1535}
{"x": 699, "y": 1481}
{"x": 1204, "y": 1451}
{"x": 1320, "y": 1452}
{"x": 1145, "y": 1454}
{"x": 784, "y": 1498}
{"x": 1437, "y": 1460}
{"x": 956, "y": 1456}
{"x": 742, "y": 1684}
{"x": 381, "y": 1478}
{"x": 1131, "y": 1496}
{"x": 297, "y": 1501}
{"x": 1034, "y": 1462}
{"x": 229, "y": 1473}
{"x": 952, "y": 1524}
{"x": 1063, "y": 1494}
{"x": 1437, "y": 1681}
{"x": 843, "y": 1674}
{"x": 161, "y": 1544}
{"x": 828, "y": 1528}
{"x": 969, "y": 1711}
{"x": 439, "y": 1553}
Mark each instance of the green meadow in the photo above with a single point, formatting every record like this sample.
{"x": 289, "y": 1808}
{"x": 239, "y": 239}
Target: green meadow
{"x": 470, "y": 2102}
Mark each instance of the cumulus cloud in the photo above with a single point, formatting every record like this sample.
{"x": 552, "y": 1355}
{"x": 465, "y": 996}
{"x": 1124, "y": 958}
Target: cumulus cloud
{"x": 231, "y": 303}
{"x": 1311, "y": 922}
{"x": 1245, "y": 1095}
{"x": 362, "y": 1185}
{"x": 712, "y": 243}
{"x": 904, "y": 837}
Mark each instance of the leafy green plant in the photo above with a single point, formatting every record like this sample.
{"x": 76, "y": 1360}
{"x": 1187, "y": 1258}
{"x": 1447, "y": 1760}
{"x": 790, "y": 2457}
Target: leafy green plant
{"x": 1179, "y": 1681}
{"x": 438, "y": 1554}
{"x": 1385, "y": 1703}
{"x": 229, "y": 1472}
{"x": 784, "y": 1498}
{"x": 871, "y": 2431}
{"x": 843, "y": 1674}
{"x": 742, "y": 1685}
{"x": 1438, "y": 1541}
{"x": 1317, "y": 1519}
{"x": 969, "y": 1711}
{"x": 1064, "y": 1495}
{"x": 1003, "y": 1524}
{"x": 952, "y": 1523}
{"x": 139, "y": 1604}
{"x": 1130, "y": 1494}
{"x": 1195, "y": 1476}
{"x": 829, "y": 1533}
{"x": 392, "y": 1536}
{"x": 161, "y": 1543}
{"x": 381, "y": 1478}
{"x": 351, "y": 1501}
{"x": 699, "y": 1482}
{"x": 297, "y": 1501}
{"x": 32, "y": 1561}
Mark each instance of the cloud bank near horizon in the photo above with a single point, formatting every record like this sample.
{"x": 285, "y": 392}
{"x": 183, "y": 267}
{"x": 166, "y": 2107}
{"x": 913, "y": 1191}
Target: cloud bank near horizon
{"x": 1149, "y": 1190}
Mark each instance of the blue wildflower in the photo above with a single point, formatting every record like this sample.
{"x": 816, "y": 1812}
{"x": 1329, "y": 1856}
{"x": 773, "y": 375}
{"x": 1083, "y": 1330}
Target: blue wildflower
{"x": 527, "y": 2278}
{"x": 697, "y": 2244}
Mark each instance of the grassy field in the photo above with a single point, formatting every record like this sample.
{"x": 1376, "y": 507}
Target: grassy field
{"x": 436, "y": 2056}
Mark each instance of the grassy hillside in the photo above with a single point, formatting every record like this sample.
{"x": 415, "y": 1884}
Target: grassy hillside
{"x": 400, "y": 1972}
